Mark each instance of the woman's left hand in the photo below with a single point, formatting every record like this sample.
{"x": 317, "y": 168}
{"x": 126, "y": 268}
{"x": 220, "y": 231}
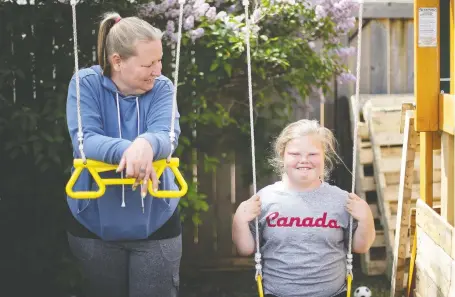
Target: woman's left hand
{"x": 358, "y": 208}
{"x": 138, "y": 162}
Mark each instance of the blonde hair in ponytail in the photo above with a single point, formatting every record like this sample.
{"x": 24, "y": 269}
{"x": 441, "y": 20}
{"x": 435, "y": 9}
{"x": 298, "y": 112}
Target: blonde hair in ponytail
{"x": 120, "y": 35}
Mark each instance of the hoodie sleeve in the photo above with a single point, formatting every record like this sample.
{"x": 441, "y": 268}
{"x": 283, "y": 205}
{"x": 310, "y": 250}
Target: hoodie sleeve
{"x": 97, "y": 146}
{"x": 159, "y": 122}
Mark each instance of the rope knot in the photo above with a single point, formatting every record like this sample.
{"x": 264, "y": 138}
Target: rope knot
{"x": 172, "y": 136}
{"x": 257, "y": 257}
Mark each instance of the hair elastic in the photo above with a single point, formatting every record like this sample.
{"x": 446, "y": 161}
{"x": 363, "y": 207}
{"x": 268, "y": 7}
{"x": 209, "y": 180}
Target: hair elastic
{"x": 117, "y": 20}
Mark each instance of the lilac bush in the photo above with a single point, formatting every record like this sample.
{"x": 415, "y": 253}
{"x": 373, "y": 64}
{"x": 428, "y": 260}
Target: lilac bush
{"x": 295, "y": 50}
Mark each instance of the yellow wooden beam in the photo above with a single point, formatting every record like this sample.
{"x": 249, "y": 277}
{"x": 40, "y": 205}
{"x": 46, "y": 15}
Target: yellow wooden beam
{"x": 452, "y": 49}
{"x": 446, "y": 110}
{"x": 426, "y": 167}
{"x": 426, "y": 63}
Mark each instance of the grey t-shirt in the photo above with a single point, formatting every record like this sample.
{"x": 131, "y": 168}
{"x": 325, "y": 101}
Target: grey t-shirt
{"x": 303, "y": 240}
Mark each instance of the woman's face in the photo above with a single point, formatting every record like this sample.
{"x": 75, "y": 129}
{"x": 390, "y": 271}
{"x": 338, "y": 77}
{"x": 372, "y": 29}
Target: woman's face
{"x": 137, "y": 74}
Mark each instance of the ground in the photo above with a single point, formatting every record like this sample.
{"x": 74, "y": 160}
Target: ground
{"x": 242, "y": 284}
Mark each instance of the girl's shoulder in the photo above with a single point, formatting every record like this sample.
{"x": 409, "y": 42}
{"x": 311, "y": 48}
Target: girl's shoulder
{"x": 272, "y": 192}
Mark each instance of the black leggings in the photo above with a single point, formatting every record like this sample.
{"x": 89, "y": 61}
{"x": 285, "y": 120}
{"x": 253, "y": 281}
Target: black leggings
{"x": 343, "y": 294}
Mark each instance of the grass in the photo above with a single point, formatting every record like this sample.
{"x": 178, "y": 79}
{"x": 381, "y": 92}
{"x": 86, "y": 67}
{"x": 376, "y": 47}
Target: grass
{"x": 242, "y": 284}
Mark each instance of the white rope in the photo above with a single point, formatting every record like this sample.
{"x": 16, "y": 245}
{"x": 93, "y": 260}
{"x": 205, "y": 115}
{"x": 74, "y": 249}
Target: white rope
{"x": 257, "y": 256}
{"x": 176, "y": 79}
{"x": 355, "y": 137}
{"x": 80, "y": 133}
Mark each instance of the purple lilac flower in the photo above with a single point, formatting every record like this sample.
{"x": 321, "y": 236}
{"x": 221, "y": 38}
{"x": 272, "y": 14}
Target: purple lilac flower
{"x": 345, "y": 78}
{"x": 188, "y": 24}
{"x": 211, "y": 14}
{"x": 195, "y": 34}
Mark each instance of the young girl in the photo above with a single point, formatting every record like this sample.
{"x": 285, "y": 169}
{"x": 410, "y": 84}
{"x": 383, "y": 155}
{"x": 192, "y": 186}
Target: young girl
{"x": 303, "y": 221}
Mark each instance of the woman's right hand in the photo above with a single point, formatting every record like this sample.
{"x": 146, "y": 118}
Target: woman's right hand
{"x": 248, "y": 210}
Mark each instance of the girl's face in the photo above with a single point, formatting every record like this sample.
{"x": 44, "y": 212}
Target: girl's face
{"x": 304, "y": 162}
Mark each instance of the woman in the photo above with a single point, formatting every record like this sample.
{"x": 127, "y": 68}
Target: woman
{"x": 126, "y": 107}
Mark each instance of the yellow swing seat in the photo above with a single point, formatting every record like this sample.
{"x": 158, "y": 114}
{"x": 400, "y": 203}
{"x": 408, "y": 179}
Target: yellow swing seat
{"x": 95, "y": 167}
{"x": 348, "y": 285}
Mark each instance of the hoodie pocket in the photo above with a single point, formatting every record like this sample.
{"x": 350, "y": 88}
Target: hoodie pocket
{"x": 82, "y": 205}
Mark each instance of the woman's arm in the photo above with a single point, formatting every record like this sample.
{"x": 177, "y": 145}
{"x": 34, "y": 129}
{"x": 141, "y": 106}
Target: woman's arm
{"x": 97, "y": 146}
{"x": 159, "y": 122}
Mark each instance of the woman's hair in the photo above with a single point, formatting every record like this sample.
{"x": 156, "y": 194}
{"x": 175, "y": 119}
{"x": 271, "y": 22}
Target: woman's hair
{"x": 119, "y": 35}
{"x": 304, "y": 128}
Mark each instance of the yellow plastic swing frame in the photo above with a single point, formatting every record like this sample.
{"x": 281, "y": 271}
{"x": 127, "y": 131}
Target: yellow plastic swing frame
{"x": 96, "y": 167}
{"x": 348, "y": 285}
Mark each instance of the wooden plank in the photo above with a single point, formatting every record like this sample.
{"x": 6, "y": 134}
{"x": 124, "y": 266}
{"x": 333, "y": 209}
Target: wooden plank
{"x": 385, "y": 101}
{"x": 378, "y": 64}
{"x": 390, "y": 165}
{"x": 427, "y": 73}
{"x": 365, "y": 67}
{"x": 368, "y": 184}
{"x": 404, "y": 206}
{"x": 385, "y": 120}
{"x": 224, "y": 208}
{"x": 410, "y": 56}
{"x": 393, "y": 178}
{"x": 374, "y": 211}
{"x": 392, "y": 10}
{"x": 397, "y": 62}
{"x": 379, "y": 240}
{"x": 447, "y": 178}
{"x": 435, "y": 227}
{"x": 434, "y": 261}
{"x": 362, "y": 131}
{"x": 366, "y": 156}
{"x": 391, "y": 192}
{"x": 446, "y": 110}
{"x": 425, "y": 285}
{"x": 393, "y": 206}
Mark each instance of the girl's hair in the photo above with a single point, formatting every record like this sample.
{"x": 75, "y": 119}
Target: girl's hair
{"x": 119, "y": 35}
{"x": 303, "y": 128}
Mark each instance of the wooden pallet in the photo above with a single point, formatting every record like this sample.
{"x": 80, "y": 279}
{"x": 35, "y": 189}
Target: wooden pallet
{"x": 374, "y": 261}
{"x": 383, "y": 124}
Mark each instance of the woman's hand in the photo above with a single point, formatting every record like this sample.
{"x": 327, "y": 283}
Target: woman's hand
{"x": 358, "y": 208}
{"x": 138, "y": 162}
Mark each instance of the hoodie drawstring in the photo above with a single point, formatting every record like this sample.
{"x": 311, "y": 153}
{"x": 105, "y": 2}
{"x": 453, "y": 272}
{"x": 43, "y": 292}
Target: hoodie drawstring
{"x": 120, "y": 135}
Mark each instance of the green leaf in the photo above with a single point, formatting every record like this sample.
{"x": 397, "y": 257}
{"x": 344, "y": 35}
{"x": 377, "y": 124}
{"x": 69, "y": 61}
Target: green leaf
{"x": 228, "y": 69}
{"x": 214, "y": 66}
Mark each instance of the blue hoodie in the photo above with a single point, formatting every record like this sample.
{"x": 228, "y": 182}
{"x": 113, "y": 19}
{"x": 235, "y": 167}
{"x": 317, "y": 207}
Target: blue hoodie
{"x": 111, "y": 122}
